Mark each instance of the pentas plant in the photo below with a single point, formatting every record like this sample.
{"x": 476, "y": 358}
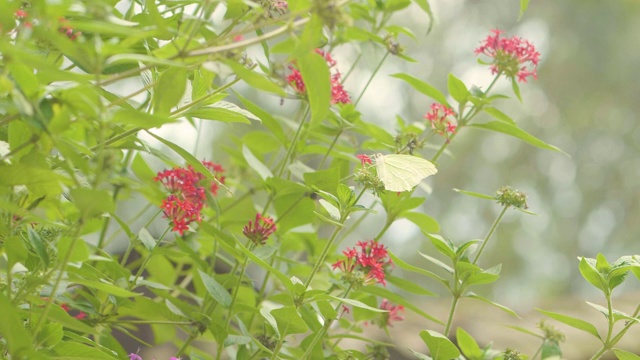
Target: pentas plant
{"x": 252, "y": 257}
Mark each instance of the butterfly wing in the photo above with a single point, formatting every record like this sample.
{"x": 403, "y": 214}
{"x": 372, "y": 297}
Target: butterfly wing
{"x": 402, "y": 172}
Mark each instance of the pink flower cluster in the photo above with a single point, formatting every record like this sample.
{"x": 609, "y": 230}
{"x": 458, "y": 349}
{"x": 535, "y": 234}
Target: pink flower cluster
{"x": 439, "y": 117}
{"x": 372, "y": 259}
{"x": 187, "y": 193}
{"x": 338, "y": 93}
{"x": 259, "y": 230}
{"x": 364, "y": 159}
{"x": 393, "y": 311}
{"x": 514, "y": 57}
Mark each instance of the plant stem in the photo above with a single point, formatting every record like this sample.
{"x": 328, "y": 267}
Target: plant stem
{"x": 452, "y": 310}
{"x": 611, "y": 343}
{"x": 493, "y": 228}
{"x": 333, "y": 143}
{"x": 371, "y": 79}
{"x": 146, "y": 260}
{"x": 294, "y": 141}
{"x": 323, "y": 255}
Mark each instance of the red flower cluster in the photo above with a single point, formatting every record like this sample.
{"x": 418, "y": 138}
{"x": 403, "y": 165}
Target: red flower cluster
{"x": 371, "y": 259}
{"x": 364, "y": 159}
{"x": 81, "y": 315}
{"x": 338, "y": 94}
{"x": 439, "y": 119}
{"x": 187, "y": 196}
{"x": 510, "y": 56}
{"x": 260, "y": 230}
{"x": 67, "y": 29}
{"x": 393, "y": 313}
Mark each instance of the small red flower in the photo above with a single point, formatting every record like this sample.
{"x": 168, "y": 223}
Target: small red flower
{"x": 338, "y": 93}
{"x": 371, "y": 258}
{"x": 364, "y": 159}
{"x": 393, "y": 313}
{"x": 513, "y": 57}
{"x": 260, "y": 230}
{"x": 440, "y": 119}
{"x": 187, "y": 193}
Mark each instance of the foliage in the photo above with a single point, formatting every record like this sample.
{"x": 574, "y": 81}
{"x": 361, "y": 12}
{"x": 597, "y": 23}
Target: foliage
{"x": 242, "y": 269}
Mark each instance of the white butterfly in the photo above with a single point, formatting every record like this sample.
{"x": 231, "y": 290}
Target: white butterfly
{"x": 402, "y": 172}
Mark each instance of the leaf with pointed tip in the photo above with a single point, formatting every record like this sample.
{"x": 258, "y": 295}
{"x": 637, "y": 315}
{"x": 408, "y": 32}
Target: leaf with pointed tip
{"x": 440, "y": 347}
{"x": 508, "y": 129}
{"x": 423, "y": 87}
{"x": 573, "y": 322}
{"x": 501, "y": 307}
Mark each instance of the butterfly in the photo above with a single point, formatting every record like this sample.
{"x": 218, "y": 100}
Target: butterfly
{"x": 402, "y": 172}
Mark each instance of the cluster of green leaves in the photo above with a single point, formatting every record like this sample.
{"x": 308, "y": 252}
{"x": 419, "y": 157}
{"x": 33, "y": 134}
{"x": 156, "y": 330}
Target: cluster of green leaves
{"x": 72, "y": 156}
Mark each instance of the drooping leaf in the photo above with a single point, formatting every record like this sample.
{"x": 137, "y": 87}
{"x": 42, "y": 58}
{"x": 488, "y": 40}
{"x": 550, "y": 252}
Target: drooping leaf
{"x": 256, "y": 164}
{"x": 515, "y": 131}
{"x": 468, "y": 345}
{"x": 573, "y": 322}
{"x": 217, "y": 291}
{"x": 317, "y": 80}
{"x": 423, "y": 87}
{"x": 169, "y": 90}
{"x": 457, "y": 89}
{"x": 12, "y": 328}
{"x": 625, "y": 355}
{"x": 501, "y": 307}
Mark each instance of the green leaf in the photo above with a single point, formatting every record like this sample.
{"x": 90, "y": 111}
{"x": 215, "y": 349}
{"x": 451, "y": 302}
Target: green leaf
{"x": 499, "y": 115}
{"x": 424, "y": 5}
{"x": 443, "y": 246}
{"x": 256, "y": 164}
{"x": 425, "y": 222}
{"x": 169, "y": 90}
{"x": 39, "y": 246}
{"x": 102, "y": 286}
{"x": 501, "y": 307}
{"x": 525, "y": 331}
{"x": 17, "y": 338}
{"x": 217, "y": 291}
{"x": 485, "y": 277}
{"x": 438, "y": 263}
{"x": 468, "y": 345}
{"x": 423, "y": 87}
{"x": 457, "y": 89}
{"x": 273, "y": 271}
{"x": 573, "y": 322}
{"x": 523, "y": 7}
{"x": 591, "y": 274}
{"x": 50, "y": 335}
{"x": 356, "y": 303}
{"x": 421, "y": 356}
{"x": 289, "y": 321}
{"x": 317, "y": 80}
{"x": 403, "y": 265}
{"x": 80, "y": 252}
{"x": 551, "y": 350}
{"x": 140, "y": 119}
{"x": 515, "y": 131}
{"x": 475, "y": 194}
{"x": 408, "y": 286}
{"x": 271, "y": 320}
{"x": 516, "y": 89}
{"x": 254, "y": 79}
{"x": 68, "y": 350}
{"x": 617, "y": 315}
{"x": 218, "y": 114}
{"x": 16, "y": 250}
{"x": 333, "y": 211}
{"x": 147, "y": 240}
{"x": 625, "y": 355}
{"x": 400, "y": 300}
{"x": 440, "y": 347}
{"x": 91, "y": 202}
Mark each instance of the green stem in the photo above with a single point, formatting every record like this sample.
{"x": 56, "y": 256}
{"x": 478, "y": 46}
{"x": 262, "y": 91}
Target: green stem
{"x": 324, "y": 329}
{"x": 237, "y": 290}
{"x": 486, "y": 238}
{"x": 452, "y": 310}
{"x": 293, "y": 142}
{"x": 146, "y": 260}
{"x": 610, "y": 344}
{"x": 61, "y": 271}
{"x": 371, "y": 79}
{"x": 276, "y": 351}
{"x": 323, "y": 255}
{"x": 333, "y": 143}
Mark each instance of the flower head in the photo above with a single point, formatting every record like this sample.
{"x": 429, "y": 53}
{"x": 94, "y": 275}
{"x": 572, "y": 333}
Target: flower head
{"x": 259, "y": 230}
{"x": 393, "y": 312}
{"x": 513, "y": 57}
{"x": 187, "y": 188}
{"x": 364, "y": 159}
{"x": 440, "y": 119}
{"x": 364, "y": 264}
{"x": 338, "y": 93}
{"x": 508, "y": 196}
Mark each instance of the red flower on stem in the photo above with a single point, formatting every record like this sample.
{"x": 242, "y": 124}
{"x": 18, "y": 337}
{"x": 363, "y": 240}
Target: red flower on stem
{"x": 371, "y": 259}
{"x": 364, "y": 159}
{"x": 513, "y": 57}
{"x": 338, "y": 93}
{"x": 187, "y": 193}
{"x": 259, "y": 230}
{"x": 440, "y": 119}
{"x": 81, "y": 315}
{"x": 393, "y": 313}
